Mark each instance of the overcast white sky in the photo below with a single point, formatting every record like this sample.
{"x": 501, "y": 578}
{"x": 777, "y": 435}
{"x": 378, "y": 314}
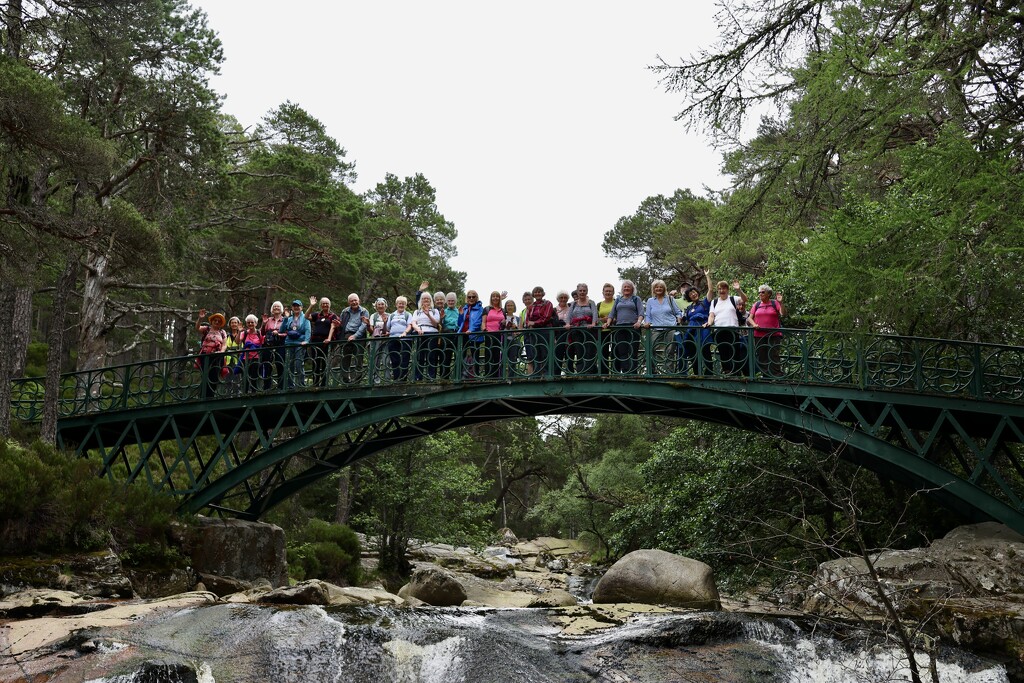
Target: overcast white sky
{"x": 537, "y": 122}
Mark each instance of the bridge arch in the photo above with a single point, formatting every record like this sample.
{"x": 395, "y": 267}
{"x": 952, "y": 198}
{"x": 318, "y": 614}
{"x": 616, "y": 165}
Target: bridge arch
{"x": 461, "y": 406}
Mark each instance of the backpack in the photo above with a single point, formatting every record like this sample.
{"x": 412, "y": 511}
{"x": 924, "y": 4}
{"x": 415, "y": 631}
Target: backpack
{"x": 212, "y": 341}
{"x": 758, "y": 305}
{"x": 636, "y": 305}
{"x": 377, "y": 319}
{"x": 387, "y": 326}
{"x": 732, "y": 300}
{"x": 585, "y": 320}
{"x": 552, "y": 320}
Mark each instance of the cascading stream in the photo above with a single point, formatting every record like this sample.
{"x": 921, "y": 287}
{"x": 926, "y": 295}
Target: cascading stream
{"x": 246, "y": 643}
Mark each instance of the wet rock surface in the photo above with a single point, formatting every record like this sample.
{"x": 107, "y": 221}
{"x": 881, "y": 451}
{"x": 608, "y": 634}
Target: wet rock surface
{"x": 96, "y": 575}
{"x": 232, "y": 643}
{"x": 312, "y": 592}
{"x": 315, "y": 631}
{"x": 967, "y": 588}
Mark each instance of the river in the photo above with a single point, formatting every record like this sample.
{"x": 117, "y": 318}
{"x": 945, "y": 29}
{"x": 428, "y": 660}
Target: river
{"x": 236, "y": 643}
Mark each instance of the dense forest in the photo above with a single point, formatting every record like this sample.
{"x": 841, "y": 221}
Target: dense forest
{"x": 874, "y": 151}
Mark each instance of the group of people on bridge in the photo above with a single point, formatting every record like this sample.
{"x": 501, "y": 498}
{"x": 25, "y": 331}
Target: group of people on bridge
{"x": 439, "y": 339}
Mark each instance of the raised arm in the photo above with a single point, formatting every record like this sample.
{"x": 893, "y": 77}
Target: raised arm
{"x": 312, "y": 306}
{"x": 737, "y": 288}
{"x": 199, "y": 320}
{"x": 711, "y": 289}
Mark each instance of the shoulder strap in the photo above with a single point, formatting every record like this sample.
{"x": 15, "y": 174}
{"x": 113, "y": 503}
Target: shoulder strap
{"x": 673, "y": 306}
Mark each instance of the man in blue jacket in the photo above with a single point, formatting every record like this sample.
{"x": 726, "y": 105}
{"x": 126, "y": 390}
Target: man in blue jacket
{"x": 296, "y": 331}
{"x": 471, "y": 319}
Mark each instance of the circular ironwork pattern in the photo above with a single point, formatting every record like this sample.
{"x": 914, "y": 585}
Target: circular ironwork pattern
{"x": 1003, "y": 374}
{"x": 889, "y": 362}
{"x": 947, "y": 368}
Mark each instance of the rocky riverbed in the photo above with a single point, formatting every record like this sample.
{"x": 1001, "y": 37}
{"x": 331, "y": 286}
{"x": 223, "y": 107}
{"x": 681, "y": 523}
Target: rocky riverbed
{"x": 523, "y": 611}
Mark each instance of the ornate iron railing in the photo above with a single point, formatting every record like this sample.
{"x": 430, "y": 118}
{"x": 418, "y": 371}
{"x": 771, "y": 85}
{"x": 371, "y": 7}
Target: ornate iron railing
{"x": 970, "y": 370}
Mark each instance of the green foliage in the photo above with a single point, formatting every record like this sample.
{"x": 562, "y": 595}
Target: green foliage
{"x": 427, "y": 490}
{"x": 35, "y": 359}
{"x": 663, "y": 239}
{"x": 594, "y": 474}
{"x": 958, "y": 232}
{"x": 54, "y": 502}
{"x": 322, "y": 550}
{"x": 881, "y": 189}
{"x": 755, "y": 506}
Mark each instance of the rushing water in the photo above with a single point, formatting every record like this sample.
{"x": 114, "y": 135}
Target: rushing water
{"x": 247, "y": 643}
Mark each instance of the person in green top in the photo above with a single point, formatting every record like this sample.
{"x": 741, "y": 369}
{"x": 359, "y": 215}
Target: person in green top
{"x": 604, "y": 307}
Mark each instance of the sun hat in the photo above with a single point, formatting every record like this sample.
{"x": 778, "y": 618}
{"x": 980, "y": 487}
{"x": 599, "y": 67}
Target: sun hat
{"x": 297, "y": 302}
{"x": 218, "y": 316}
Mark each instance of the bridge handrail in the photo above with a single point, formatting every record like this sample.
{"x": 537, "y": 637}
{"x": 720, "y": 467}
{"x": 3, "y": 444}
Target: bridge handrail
{"x": 971, "y": 370}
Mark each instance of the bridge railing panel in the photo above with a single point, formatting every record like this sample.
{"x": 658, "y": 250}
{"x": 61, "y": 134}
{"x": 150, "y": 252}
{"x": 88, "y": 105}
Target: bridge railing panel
{"x": 928, "y": 366}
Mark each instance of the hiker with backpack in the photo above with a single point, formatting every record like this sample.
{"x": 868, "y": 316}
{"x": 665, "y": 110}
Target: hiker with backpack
{"x": 663, "y": 315}
{"x": 399, "y": 346}
{"x": 626, "y": 318}
{"x": 696, "y": 339}
{"x": 493, "y": 317}
{"x": 296, "y": 330}
{"x": 724, "y": 318}
{"x": 766, "y": 319}
{"x": 583, "y": 344}
{"x": 538, "y": 317}
{"x": 214, "y": 341}
{"x": 471, "y": 323}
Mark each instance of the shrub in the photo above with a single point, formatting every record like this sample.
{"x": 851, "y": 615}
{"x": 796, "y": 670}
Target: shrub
{"x": 54, "y": 502}
{"x": 322, "y": 550}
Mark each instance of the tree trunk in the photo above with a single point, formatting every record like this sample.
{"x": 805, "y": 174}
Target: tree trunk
{"x": 6, "y": 310}
{"x": 344, "y": 505}
{"x": 13, "y": 21}
{"x": 92, "y": 338}
{"x": 21, "y": 329}
{"x": 55, "y": 352}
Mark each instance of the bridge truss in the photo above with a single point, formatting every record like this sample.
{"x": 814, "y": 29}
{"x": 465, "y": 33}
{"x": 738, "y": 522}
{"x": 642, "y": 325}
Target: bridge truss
{"x": 943, "y": 416}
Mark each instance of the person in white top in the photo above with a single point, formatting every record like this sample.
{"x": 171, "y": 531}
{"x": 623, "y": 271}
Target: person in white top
{"x": 724, "y": 318}
{"x": 427, "y": 321}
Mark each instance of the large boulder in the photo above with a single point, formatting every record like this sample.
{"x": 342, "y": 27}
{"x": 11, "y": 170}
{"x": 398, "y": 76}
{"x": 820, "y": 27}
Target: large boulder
{"x": 159, "y": 582}
{"x": 659, "y": 578}
{"x": 968, "y": 586}
{"x": 434, "y": 586}
{"x": 351, "y": 595}
{"x": 238, "y": 548}
{"x": 311, "y": 592}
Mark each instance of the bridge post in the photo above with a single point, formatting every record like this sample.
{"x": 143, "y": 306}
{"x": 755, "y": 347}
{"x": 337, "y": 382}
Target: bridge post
{"x": 978, "y": 380}
{"x": 862, "y": 363}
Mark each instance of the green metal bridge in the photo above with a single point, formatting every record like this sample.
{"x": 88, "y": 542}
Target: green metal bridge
{"x": 239, "y": 437}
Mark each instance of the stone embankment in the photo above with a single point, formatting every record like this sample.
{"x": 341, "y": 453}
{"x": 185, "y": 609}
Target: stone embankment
{"x": 966, "y": 588}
